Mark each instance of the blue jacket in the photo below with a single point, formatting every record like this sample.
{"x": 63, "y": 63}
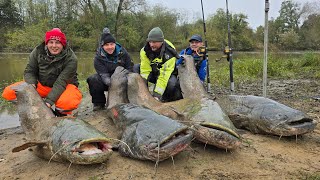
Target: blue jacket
{"x": 201, "y": 65}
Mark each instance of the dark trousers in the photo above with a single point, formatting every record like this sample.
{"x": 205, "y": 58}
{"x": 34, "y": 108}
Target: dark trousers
{"x": 97, "y": 89}
{"x": 172, "y": 91}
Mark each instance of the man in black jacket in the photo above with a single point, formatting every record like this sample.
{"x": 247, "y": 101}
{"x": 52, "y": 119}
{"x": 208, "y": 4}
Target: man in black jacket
{"x": 109, "y": 56}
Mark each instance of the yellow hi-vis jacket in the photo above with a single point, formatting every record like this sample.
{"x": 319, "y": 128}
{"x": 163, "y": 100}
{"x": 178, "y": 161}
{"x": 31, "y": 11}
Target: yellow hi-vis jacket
{"x": 167, "y": 59}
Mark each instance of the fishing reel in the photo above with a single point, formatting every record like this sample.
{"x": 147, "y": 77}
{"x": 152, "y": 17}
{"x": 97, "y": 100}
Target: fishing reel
{"x": 202, "y": 51}
{"x": 227, "y": 53}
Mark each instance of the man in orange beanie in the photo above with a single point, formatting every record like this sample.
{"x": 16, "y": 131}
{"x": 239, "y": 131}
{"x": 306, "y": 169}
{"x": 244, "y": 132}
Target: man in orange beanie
{"x": 52, "y": 70}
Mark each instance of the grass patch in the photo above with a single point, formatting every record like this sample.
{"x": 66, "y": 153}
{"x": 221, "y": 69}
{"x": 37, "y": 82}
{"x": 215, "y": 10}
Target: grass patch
{"x": 83, "y": 86}
{"x": 250, "y": 68}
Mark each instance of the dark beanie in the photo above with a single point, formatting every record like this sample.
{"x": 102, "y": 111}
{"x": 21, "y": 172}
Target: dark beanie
{"x": 155, "y": 34}
{"x": 107, "y": 38}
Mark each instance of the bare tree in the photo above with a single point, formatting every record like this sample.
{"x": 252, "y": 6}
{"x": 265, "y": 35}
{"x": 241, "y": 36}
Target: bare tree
{"x": 310, "y": 8}
{"x": 127, "y": 5}
{"x": 117, "y": 17}
{"x": 104, "y": 7}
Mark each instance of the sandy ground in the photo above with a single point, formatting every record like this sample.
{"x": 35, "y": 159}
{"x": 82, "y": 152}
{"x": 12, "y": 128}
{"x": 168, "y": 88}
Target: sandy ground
{"x": 259, "y": 156}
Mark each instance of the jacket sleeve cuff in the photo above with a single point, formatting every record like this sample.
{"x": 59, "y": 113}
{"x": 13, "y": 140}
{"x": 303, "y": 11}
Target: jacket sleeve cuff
{"x": 159, "y": 90}
{"x": 33, "y": 81}
{"x": 49, "y": 101}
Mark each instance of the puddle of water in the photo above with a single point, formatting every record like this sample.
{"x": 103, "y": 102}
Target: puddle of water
{"x": 9, "y": 120}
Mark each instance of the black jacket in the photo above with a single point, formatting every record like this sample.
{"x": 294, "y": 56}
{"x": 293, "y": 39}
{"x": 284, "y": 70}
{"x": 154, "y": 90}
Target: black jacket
{"x": 106, "y": 64}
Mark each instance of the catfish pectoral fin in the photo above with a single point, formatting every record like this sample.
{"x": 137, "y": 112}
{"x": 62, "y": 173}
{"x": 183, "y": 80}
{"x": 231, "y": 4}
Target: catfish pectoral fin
{"x": 27, "y": 145}
{"x": 180, "y": 114}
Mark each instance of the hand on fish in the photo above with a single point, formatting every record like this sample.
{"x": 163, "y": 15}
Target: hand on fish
{"x": 157, "y": 96}
{"x": 49, "y": 105}
{"x": 106, "y": 79}
{"x": 181, "y": 61}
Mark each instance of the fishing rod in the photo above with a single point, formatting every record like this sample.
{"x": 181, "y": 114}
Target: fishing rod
{"x": 206, "y": 50}
{"x": 265, "y": 52}
{"x": 228, "y": 51}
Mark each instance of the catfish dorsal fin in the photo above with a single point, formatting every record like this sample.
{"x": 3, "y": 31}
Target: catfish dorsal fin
{"x": 27, "y": 145}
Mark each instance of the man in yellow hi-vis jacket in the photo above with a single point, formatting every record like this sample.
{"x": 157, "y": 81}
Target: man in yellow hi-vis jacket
{"x": 157, "y": 67}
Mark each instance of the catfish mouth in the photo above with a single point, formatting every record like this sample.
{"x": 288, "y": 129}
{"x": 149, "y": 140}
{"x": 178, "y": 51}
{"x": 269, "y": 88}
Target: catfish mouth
{"x": 92, "y": 147}
{"x": 216, "y": 135}
{"x": 170, "y": 146}
{"x": 182, "y": 137}
{"x": 302, "y": 122}
{"x": 302, "y": 126}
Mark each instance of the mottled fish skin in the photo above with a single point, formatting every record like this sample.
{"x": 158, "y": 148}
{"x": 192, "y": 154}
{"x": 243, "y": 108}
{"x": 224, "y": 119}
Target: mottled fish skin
{"x": 145, "y": 135}
{"x": 148, "y": 135}
{"x": 215, "y": 126}
{"x": 210, "y": 124}
{"x": 265, "y": 116}
{"x": 58, "y": 139}
{"x": 117, "y": 92}
{"x": 70, "y": 134}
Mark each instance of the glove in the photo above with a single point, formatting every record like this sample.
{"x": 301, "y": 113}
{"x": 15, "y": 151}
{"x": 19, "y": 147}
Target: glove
{"x": 189, "y": 52}
{"x": 180, "y": 61}
{"x": 157, "y": 96}
{"x": 105, "y": 79}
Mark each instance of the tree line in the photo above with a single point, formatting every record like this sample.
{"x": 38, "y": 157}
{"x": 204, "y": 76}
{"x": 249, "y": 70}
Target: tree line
{"x": 23, "y": 23}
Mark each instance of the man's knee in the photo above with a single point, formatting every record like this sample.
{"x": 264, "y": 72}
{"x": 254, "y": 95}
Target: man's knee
{"x": 9, "y": 94}
{"x": 172, "y": 83}
{"x": 173, "y": 91}
{"x": 69, "y": 99}
{"x": 136, "y": 68}
{"x": 94, "y": 79}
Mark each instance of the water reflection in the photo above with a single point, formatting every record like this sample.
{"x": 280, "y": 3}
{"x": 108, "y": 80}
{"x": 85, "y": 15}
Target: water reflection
{"x": 8, "y": 120}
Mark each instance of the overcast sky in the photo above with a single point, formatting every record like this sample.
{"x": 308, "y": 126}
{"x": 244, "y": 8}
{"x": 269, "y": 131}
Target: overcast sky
{"x": 254, "y": 9}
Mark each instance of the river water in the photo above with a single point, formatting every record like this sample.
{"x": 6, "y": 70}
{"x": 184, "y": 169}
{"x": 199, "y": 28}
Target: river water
{"x": 12, "y": 66}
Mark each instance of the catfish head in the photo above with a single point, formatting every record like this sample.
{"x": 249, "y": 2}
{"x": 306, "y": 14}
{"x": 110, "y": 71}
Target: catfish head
{"x": 79, "y": 142}
{"x": 59, "y": 139}
{"x": 212, "y": 126}
{"x": 266, "y": 116}
{"x": 148, "y": 135}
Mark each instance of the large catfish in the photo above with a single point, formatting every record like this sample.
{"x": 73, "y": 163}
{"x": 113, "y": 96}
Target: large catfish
{"x": 145, "y": 134}
{"x": 58, "y": 139}
{"x": 205, "y": 117}
{"x": 266, "y": 116}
